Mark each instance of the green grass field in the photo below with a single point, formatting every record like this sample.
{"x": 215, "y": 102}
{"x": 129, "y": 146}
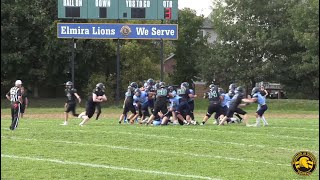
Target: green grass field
{"x": 40, "y": 148}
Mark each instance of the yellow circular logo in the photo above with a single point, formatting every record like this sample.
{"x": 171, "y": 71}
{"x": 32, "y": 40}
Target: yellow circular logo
{"x": 125, "y": 30}
{"x": 304, "y": 163}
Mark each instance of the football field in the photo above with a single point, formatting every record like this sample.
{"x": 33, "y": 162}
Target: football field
{"x": 40, "y": 148}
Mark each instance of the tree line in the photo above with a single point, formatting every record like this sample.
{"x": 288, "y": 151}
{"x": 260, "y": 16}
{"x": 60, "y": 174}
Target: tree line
{"x": 258, "y": 40}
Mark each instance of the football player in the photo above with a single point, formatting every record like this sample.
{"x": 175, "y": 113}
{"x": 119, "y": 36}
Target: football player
{"x": 214, "y": 102}
{"x": 97, "y": 96}
{"x": 183, "y": 106}
{"x": 25, "y": 101}
{"x": 235, "y": 105}
{"x": 262, "y": 106}
{"x": 128, "y": 104}
{"x": 191, "y": 105}
{"x": 160, "y": 105}
{"x": 71, "y": 103}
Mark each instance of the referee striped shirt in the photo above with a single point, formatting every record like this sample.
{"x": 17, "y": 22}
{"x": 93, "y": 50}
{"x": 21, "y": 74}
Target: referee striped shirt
{"x": 14, "y": 94}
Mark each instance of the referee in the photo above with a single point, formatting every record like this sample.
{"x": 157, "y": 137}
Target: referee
{"x": 14, "y": 96}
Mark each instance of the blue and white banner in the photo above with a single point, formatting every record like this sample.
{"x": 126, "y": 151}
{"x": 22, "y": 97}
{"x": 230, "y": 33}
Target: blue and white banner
{"x": 117, "y": 31}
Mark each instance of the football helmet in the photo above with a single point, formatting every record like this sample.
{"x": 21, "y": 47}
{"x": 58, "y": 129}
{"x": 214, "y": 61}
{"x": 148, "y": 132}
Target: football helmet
{"x": 134, "y": 85}
{"x": 239, "y": 89}
{"x": 185, "y": 84}
{"x": 232, "y": 86}
{"x": 100, "y": 87}
{"x": 255, "y": 90}
{"x": 162, "y": 84}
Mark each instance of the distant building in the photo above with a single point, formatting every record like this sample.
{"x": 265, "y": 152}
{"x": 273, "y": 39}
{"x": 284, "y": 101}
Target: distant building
{"x": 200, "y": 88}
{"x": 169, "y": 64}
{"x": 207, "y": 29}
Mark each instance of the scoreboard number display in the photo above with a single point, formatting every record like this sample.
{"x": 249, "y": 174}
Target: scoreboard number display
{"x": 118, "y": 9}
{"x": 76, "y": 9}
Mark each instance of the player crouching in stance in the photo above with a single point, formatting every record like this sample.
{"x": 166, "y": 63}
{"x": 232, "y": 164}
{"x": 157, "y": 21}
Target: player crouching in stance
{"x": 183, "y": 106}
{"x": 214, "y": 102}
{"x": 234, "y": 105}
{"x": 262, "y": 106}
{"x": 71, "y": 103}
{"x": 98, "y": 96}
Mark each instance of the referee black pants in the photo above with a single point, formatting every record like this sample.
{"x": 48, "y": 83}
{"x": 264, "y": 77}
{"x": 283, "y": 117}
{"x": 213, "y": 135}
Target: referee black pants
{"x": 15, "y": 113}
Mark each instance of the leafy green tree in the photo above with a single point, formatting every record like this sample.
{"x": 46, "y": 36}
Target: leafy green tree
{"x": 305, "y": 25}
{"x": 261, "y": 41}
{"x": 188, "y": 46}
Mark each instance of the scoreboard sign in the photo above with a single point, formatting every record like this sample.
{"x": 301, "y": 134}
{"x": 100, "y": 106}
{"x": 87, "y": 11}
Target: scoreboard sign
{"x": 118, "y": 9}
{"x": 117, "y": 31}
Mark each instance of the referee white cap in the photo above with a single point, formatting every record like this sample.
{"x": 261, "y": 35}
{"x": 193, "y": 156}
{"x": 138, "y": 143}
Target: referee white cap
{"x": 18, "y": 82}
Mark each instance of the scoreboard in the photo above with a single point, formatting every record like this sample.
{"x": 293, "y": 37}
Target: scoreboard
{"x": 118, "y": 9}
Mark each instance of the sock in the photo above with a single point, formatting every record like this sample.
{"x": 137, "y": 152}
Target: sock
{"x": 258, "y": 121}
{"x": 264, "y": 120}
{"x": 239, "y": 116}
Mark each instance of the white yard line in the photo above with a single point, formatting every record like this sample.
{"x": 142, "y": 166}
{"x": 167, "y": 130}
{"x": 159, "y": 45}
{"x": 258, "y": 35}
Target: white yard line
{"x": 154, "y": 150}
{"x": 203, "y": 140}
{"x": 213, "y": 141}
{"x": 146, "y": 135}
{"x": 257, "y": 134}
{"x": 108, "y": 167}
{"x": 291, "y": 128}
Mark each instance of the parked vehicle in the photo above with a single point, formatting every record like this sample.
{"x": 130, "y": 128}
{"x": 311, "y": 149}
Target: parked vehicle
{"x": 273, "y": 90}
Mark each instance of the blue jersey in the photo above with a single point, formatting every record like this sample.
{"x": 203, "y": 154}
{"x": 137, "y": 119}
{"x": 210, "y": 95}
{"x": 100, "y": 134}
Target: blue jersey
{"x": 226, "y": 100}
{"x": 174, "y": 102}
{"x": 174, "y": 93}
{"x": 260, "y": 99}
{"x": 143, "y": 97}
